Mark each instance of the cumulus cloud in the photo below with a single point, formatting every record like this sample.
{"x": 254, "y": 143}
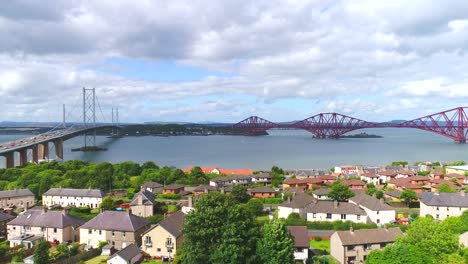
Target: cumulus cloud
{"x": 374, "y": 59}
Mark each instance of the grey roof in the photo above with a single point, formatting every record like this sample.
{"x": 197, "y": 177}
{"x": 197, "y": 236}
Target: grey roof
{"x": 203, "y": 188}
{"x": 293, "y": 190}
{"x": 393, "y": 193}
{"x": 370, "y": 202}
{"x": 151, "y": 185}
{"x": 299, "y": 234}
{"x": 261, "y": 175}
{"x": 116, "y": 221}
{"x": 52, "y": 219}
{"x": 174, "y": 186}
{"x": 300, "y": 200}
{"x": 328, "y": 207}
{"x": 262, "y": 189}
{"x": 16, "y": 193}
{"x": 5, "y": 217}
{"x": 445, "y": 199}
{"x": 322, "y": 191}
{"x": 127, "y": 253}
{"x": 369, "y": 236}
{"x": 75, "y": 192}
{"x": 148, "y": 198}
{"x": 174, "y": 223}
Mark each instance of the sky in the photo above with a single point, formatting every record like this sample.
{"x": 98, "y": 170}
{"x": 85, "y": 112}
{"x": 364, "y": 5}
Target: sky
{"x": 223, "y": 61}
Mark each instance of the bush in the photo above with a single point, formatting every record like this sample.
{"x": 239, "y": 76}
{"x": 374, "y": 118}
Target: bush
{"x": 169, "y": 196}
{"x": 81, "y": 210}
{"x": 317, "y": 238}
{"x": 154, "y": 219}
{"x": 272, "y": 200}
{"x": 338, "y": 225}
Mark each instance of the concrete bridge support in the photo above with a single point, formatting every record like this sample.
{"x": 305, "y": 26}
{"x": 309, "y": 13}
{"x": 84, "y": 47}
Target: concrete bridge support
{"x": 23, "y": 157}
{"x": 35, "y": 154}
{"x": 9, "y": 159}
{"x": 43, "y": 151}
{"x": 58, "y": 143}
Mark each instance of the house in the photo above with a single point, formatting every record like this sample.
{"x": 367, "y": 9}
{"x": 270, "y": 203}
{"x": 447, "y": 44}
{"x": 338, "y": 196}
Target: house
{"x": 463, "y": 239}
{"x": 436, "y": 175}
{"x": 419, "y": 180}
{"x": 119, "y": 229}
{"x": 333, "y": 211}
{"x": 107, "y": 250}
{"x": 292, "y": 190}
{"x": 262, "y": 178}
{"x": 129, "y": 255}
{"x": 53, "y": 226}
{"x": 173, "y": 189}
{"x": 4, "y": 219}
{"x": 263, "y": 192}
{"x": 376, "y": 209}
{"x": 405, "y": 183}
{"x": 371, "y": 177}
{"x": 295, "y": 183}
{"x": 460, "y": 170}
{"x": 354, "y": 184}
{"x": 21, "y": 198}
{"x": 163, "y": 239}
{"x": 443, "y": 205}
{"x": 321, "y": 194}
{"x": 202, "y": 189}
{"x": 434, "y": 184}
{"x": 143, "y": 203}
{"x": 153, "y": 187}
{"x": 386, "y": 176}
{"x": 242, "y": 179}
{"x": 296, "y": 204}
{"x": 353, "y": 246}
{"x": 64, "y": 197}
{"x": 328, "y": 179}
{"x": 349, "y": 170}
{"x": 301, "y": 242}
{"x": 405, "y": 174}
{"x": 461, "y": 179}
{"x": 392, "y": 194}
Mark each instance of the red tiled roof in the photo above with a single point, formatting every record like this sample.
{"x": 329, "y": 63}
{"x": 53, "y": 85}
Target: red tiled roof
{"x": 354, "y": 183}
{"x": 407, "y": 172}
{"x": 388, "y": 173}
{"x": 370, "y": 175}
{"x": 455, "y": 175}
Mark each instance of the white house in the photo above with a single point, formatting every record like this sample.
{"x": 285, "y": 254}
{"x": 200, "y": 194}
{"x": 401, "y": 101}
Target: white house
{"x": 91, "y": 198}
{"x": 296, "y": 204}
{"x": 376, "y": 209}
{"x": 463, "y": 239}
{"x": 129, "y": 255}
{"x": 301, "y": 242}
{"x": 443, "y": 205}
{"x": 334, "y": 211}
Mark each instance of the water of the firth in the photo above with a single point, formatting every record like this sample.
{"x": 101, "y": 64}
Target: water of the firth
{"x": 288, "y": 149}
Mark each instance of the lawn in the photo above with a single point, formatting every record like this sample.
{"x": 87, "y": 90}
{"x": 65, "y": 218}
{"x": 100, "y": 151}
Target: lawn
{"x": 97, "y": 260}
{"x": 263, "y": 219}
{"x": 152, "y": 262}
{"x": 323, "y": 245}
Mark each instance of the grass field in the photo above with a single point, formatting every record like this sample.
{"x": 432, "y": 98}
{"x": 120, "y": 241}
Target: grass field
{"x": 323, "y": 245}
{"x": 97, "y": 260}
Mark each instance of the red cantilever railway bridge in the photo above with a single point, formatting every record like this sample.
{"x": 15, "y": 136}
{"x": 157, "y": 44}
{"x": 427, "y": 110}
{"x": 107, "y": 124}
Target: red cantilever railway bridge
{"x": 452, "y": 123}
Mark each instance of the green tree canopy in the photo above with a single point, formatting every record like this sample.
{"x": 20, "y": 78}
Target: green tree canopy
{"x": 108, "y": 203}
{"x": 276, "y": 244}
{"x": 340, "y": 192}
{"x": 41, "y": 253}
{"x": 445, "y": 188}
{"x": 239, "y": 193}
{"x": 408, "y": 195}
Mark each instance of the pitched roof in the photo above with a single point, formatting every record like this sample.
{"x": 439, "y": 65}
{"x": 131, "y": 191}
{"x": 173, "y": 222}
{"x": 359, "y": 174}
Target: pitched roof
{"x": 262, "y": 189}
{"x": 455, "y": 175}
{"x": 261, "y": 175}
{"x": 53, "y": 219}
{"x": 445, "y": 199}
{"x": 148, "y": 198}
{"x": 332, "y": 207}
{"x": 369, "y": 236}
{"x": 174, "y": 223}
{"x": 5, "y": 217}
{"x": 16, "y": 193}
{"x": 151, "y": 185}
{"x": 116, "y": 221}
{"x": 393, "y": 193}
{"x": 300, "y": 236}
{"x": 388, "y": 173}
{"x": 322, "y": 191}
{"x": 370, "y": 202}
{"x": 354, "y": 183}
{"x": 127, "y": 253}
{"x": 293, "y": 190}
{"x": 174, "y": 186}
{"x": 75, "y": 192}
{"x": 300, "y": 200}
{"x": 203, "y": 188}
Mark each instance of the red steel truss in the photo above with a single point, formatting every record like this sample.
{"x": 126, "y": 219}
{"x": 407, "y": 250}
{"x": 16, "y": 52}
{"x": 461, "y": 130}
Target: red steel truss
{"x": 451, "y": 123}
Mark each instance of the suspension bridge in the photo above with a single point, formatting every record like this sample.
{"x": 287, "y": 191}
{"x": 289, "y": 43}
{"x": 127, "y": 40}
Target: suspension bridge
{"x": 36, "y": 148}
{"x": 451, "y": 123}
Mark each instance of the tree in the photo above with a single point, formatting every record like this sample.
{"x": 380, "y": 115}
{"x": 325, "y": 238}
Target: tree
{"x": 203, "y": 227}
{"x": 108, "y": 203}
{"x": 41, "y": 253}
{"x": 277, "y": 175}
{"x": 149, "y": 165}
{"x": 254, "y": 206}
{"x": 445, "y": 188}
{"x": 239, "y": 238}
{"x": 103, "y": 176}
{"x": 239, "y": 193}
{"x": 399, "y": 254}
{"x": 276, "y": 244}
{"x": 340, "y": 192}
{"x": 379, "y": 194}
{"x": 408, "y": 195}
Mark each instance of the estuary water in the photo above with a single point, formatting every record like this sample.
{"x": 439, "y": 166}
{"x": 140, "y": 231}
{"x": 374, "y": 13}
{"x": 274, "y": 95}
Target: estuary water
{"x": 290, "y": 149}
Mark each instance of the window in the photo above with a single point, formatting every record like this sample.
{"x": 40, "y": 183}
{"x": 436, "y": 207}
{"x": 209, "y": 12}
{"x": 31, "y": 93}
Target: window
{"x": 14, "y": 228}
{"x": 158, "y": 250}
{"x": 113, "y": 243}
{"x": 358, "y": 217}
{"x": 367, "y": 247}
{"x": 123, "y": 234}
{"x": 55, "y": 230}
{"x": 148, "y": 240}
{"x": 378, "y": 221}
{"x": 378, "y": 212}
{"x": 100, "y": 232}
{"x": 437, "y": 216}
{"x": 343, "y": 216}
{"x": 447, "y": 208}
{"x": 113, "y": 233}
{"x": 382, "y": 245}
{"x": 351, "y": 248}
{"x": 90, "y": 231}
{"x": 314, "y": 215}
{"x": 329, "y": 216}
{"x": 42, "y": 229}
{"x": 169, "y": 241}
{"x": 437, "y": 208}
{"x": 27, "y": 228}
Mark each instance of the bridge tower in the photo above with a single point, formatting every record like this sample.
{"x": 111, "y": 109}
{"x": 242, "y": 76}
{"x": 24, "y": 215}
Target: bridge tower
{"x": 89, "y": 115}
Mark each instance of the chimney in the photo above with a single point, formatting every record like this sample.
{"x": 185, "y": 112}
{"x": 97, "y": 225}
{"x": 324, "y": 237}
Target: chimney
{"x": 140, "y": 199}
{"x": 289, "y": 199}
{"x": 44, "y": 209}
{"x": 351, "y": 230}
{"x": 65, "y": 211}
{"x": 335, "y": 204}
{"x": 190, "y": 201}
{"x": 382, "y": 201}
